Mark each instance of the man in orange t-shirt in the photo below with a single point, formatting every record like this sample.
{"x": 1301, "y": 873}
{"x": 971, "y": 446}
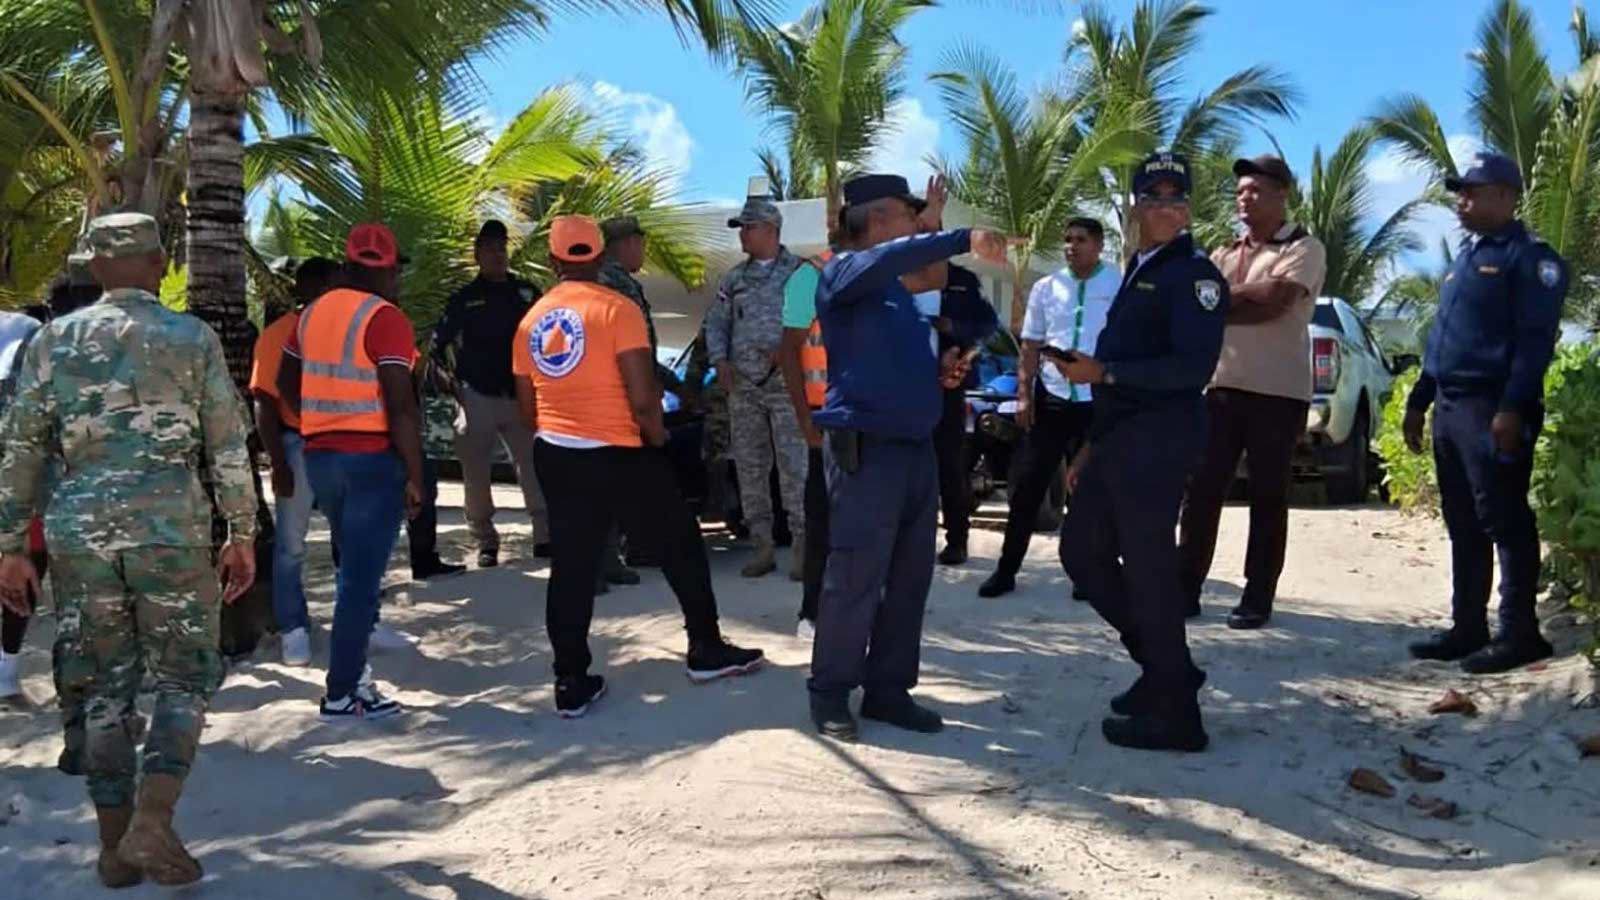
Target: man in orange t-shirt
{"x": 585, "y": 380}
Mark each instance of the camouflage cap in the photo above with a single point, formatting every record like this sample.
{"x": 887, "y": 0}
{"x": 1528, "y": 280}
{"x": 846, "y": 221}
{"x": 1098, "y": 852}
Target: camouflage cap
{"x": 122, "y": 235}
{"x": 757, "y": 210}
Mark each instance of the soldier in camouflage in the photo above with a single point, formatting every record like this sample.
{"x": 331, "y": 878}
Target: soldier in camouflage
{"x": 131, "y": 400}
{"x": 743, "y": 331}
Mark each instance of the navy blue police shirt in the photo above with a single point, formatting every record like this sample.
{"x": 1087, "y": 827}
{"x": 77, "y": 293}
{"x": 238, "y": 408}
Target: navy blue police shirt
{"x": 1163, "y": 335}
{"x": 883, "y": 376}
{"x": 481, "y": 319}
{"x": 1498, "y": 318}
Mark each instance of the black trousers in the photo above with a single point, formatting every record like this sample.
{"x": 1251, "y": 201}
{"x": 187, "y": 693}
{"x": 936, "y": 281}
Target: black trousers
{"x": 1484, "y": 495}
{"x": 816, "y": 549}
{"x": 955, "y": 485}
{"x": 1265, "y": 430}
{"x": 1117, "y": 540}
{"x": 1059, "y": 427}
{"x": 590, "y": 491}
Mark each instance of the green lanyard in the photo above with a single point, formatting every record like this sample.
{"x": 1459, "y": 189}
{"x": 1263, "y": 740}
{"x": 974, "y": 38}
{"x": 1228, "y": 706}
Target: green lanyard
{"x": 1077, "y": 319}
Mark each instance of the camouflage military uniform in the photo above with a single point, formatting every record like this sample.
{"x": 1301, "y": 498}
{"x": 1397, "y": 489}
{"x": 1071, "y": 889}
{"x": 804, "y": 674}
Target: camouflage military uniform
{"x": 132, "y": 400}
{"x": 743, "y": 330}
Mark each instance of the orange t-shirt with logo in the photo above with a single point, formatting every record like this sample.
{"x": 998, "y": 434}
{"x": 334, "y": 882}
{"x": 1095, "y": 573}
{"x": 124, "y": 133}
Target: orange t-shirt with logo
{"x": 269, "y": 358}
{"x": 568, "y": 344}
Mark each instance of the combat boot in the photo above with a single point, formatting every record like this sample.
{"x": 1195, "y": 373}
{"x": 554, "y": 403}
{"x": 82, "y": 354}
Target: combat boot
{"x": 114, "y": 873}
{"x": 150, "y": 843}
{"x": 765, "y": 563}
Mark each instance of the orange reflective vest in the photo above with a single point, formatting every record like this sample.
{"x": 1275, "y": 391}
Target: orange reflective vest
{"x": 339, "y": 381}
{"x": 813, "y": 356}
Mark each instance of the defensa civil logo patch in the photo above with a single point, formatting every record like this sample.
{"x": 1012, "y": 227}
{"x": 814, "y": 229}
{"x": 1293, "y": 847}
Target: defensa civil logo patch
{"x": 1549, "y": 272}
{"x": 1209, "y": 293}
{"x": 557, "y": 342}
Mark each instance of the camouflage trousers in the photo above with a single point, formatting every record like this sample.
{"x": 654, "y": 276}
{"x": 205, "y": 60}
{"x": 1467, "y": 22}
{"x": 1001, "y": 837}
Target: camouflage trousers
{"x": 765, "y": 428}
{"x": 122, "y": 613}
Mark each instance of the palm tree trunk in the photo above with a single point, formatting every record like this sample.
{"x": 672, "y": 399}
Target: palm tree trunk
{"x": 216, "y": 225}
{"x": 1019, "y": 295}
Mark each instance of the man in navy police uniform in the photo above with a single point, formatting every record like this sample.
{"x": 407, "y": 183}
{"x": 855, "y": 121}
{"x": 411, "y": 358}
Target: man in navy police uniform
{"x": 1160, "y": 345}
{"x": 1483, "y": 374}
{"x": 883, "y": 402}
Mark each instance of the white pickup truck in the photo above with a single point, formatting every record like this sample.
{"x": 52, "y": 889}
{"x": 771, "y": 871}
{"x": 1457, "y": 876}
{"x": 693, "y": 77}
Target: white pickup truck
{"x": 1352, "y": 379}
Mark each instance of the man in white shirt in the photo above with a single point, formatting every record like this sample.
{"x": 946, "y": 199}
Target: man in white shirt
{"x": 1066, "y": 311}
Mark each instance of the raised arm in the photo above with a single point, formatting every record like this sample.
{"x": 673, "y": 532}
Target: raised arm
{"x": 852, "y": 277}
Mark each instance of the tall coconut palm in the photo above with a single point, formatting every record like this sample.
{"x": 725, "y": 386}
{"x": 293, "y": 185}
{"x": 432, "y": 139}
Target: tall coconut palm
{"x": 1143, "y": 64}
{"x": 1029, "y": 166}
{"x": 1337, "y": 207}
{"x": 829, "y": 80}
{"x": 447, "y": 174}
{"x": 1550, "y": 126}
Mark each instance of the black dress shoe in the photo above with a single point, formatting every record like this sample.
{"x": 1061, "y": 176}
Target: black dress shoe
{"x": 1450, "y": 646}
{"x": 1246, "y": 619}
{"x": 953, "y": 554}
{"x": 488, "y": 559}
{"x": 997, "y": 585}
{"x": 1503, "y": 655}
{"x": 902, "y": 712}
{"x": 435, "y": 568}
{"x": 833, "y": 719}
{"x": 1152, "y": 731}
{"x": 1140, "y": 698}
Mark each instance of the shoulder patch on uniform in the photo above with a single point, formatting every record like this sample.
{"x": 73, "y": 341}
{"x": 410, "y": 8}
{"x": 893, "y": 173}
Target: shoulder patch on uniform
{"x": 1549, "y": 272}
{"x": 1209, "y": 293}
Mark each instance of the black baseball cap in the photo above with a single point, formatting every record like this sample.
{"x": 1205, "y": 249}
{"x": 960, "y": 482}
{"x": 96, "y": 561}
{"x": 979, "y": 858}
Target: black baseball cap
{"x": 1487, "y": 168}
{"x": 492, "y": 230}
{"x": 1171, "y": 168}
{"x": 1267, "y": 166}
{"x": 619, "y": 228}
{"x": 867, "y": 188}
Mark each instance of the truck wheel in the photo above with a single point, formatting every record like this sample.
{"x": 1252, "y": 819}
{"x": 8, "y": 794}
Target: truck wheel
{"x": 1350, "y": 484}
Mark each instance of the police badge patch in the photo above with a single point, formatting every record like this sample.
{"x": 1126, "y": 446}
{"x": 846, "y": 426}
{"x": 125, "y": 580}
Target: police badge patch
{"x": 1209, "y": 293}
{"x": 1549, "y": 272}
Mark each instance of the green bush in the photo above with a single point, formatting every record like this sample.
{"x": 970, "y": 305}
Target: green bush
{"x": 1408, "y": 476}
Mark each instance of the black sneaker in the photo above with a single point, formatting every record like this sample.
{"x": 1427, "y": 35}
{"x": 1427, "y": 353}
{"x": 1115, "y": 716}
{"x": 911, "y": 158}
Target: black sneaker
{"x": 997, "y": 585}
{"x": 1245, "y": 619}
{"x": 435, "y": 568}
{"x": 1139, "y": 697}
{"x": 365, "y": 702}
{"x": 832, "y": 717}
{"x": 575, "y": 694}
{"x": 953, "y": 554}
{"x": 1151, "y": 731}
{"x": 902, "y": 712}
{"x": 1504, "y": 655}
{"x": 710, "y": 661}
{"x": 488, "y": 559}
{"x": 1450, "y": 646}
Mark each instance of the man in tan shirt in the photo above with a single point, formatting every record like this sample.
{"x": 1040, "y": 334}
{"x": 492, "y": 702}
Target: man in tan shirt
{"x": 1262, "y": 388}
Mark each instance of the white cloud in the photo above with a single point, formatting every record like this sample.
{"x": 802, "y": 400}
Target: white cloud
{"x": 912, "y": 138}
{"x": 652, "y": 124}
{"x": 1397, "y": 181}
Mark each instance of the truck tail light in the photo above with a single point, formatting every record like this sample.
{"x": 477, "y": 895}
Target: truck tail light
{"x": 1325, "y": 364}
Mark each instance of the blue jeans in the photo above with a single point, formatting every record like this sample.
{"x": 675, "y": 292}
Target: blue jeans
{"x": 363, "y": 496}
{"x": 289, "y": 556}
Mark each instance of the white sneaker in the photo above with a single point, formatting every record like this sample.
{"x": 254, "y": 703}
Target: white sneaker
{"x": 296, "y": 647}
{"x": 10, "y": 674}
{"x": 386, "y": 638}
{"x": 806, "y": 630}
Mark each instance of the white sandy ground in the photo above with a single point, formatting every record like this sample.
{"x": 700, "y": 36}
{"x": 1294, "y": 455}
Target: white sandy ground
{"x": 724, "y": 791}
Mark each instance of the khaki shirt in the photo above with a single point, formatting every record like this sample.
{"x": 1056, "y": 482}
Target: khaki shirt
{"x": 1272, "y": 357}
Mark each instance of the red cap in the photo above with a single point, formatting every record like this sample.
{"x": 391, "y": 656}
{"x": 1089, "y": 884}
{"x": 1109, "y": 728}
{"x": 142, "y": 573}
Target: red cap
{"x": 374, "y": 246}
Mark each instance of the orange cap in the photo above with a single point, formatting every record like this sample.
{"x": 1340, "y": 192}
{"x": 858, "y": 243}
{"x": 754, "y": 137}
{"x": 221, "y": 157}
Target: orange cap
{"x": 374, "y": 246}
{"x": 575, "y": 239}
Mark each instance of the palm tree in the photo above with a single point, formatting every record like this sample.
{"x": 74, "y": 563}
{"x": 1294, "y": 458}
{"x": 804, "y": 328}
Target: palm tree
{"x": 435, "y": 186}
{"x": 792, "y": 177}
{"x": 1338, "y": 207}
{"x": 1029, "y": 167}
{"x": 829, "y": 80}
{"x": 1415, "y": 296}
{"x": 1143, "y": 65}
{"x": 1550, "y": 126}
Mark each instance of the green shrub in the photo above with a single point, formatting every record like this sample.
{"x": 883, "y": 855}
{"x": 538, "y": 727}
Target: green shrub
{"x": 1408, "y": 476}
{"x": 1566, "y": 483}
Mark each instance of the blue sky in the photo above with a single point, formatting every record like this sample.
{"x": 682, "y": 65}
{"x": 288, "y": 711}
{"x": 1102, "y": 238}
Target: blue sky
{"x": 690, "y": 113}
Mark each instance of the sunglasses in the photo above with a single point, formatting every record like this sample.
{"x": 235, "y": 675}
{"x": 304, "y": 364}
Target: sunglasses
{"x": 1158, "y": 200}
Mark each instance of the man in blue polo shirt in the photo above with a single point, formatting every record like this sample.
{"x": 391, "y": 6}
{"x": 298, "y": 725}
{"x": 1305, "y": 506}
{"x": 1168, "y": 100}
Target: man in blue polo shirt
{"x": 883, "y": 402}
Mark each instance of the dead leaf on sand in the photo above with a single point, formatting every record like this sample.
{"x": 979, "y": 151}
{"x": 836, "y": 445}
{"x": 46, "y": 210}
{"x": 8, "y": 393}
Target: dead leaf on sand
{"x": 1432, "y": 807}
{"x": 1589, "y": 746}
{"x": 1369, "y": 782}
{"x": 1418, "y": 769}
{"x": 1454, "y": 701}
